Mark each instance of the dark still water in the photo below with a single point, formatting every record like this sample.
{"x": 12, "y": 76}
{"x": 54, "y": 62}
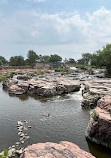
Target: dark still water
{"x": 67, "y": 120}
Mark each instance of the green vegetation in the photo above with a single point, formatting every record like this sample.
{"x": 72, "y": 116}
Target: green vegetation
{"x": 62, "y": 70}
{"x": 2, "y": 78}
{"x": 3, "y": 61}
{"x": 40, "y": 73}
{"x": 95, "y": 115}
{"x": 17, "y": 61}
{"x": 5, "y": 154}
{"x": 83, "y": 67}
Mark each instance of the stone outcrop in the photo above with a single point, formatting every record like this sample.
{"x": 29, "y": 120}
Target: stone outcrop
{"x": 99, "y": 127}
{"x": 53, "y": 150}
{"x": 9, "y": 82}
{"x": 45, "y": 87}
{"x": 94, "y": 90}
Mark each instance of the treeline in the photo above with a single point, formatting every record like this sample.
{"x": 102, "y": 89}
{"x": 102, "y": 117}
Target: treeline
{"x": 100, "y": 58}
{"x": 32, "y": 58}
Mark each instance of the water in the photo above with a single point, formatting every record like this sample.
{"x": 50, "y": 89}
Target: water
{"x": 67, "y": 121}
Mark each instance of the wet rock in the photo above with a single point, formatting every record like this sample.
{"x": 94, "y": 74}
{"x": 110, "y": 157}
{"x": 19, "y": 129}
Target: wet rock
{"x": 47, "y": 114}
{"x": 11, "y": 152}
{"x": 53, "y": 150}
{"x": 19, "y": 123}
{"x": 15, "y": 89}
{"x": 99, "y": 127}
{"x": 9, "y": 82}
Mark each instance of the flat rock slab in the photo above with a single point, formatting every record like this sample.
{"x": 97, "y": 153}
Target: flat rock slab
{"x": 53, "y": 150}
{"x": 45, "y": 87}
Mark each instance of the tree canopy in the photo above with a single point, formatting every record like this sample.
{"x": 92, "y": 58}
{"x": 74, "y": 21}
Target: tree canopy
{"x": 17, "y": 61}
{"x": 3, "y": 61}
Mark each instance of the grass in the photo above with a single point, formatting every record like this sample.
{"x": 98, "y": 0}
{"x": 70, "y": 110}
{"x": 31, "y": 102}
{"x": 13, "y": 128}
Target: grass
{"x": 2, "y": 78}
{"x": 95, "y": 115}
{"x": 5, "y": 154}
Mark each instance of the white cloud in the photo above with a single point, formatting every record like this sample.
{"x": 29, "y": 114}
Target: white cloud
{"x": 56, "y": 33}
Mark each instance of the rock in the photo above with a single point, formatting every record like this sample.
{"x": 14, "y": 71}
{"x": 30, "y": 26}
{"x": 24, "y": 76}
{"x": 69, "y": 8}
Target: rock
{"x": 11, "y": 152}
{"x": 19, "y": 123}
{"x": 23, "y": 77}
{"x": 29, "y": 127}
{"x": 53, "y": 150}
{"x": 47, "y": 114}
{"x": 46, "y": 87}
{"x": 94, "y": 90}
{"x": 22, "y": 142}
{"x": 15, "y": 89}
{"x": 99, "y": 127}
{"x": 9, "y": 82}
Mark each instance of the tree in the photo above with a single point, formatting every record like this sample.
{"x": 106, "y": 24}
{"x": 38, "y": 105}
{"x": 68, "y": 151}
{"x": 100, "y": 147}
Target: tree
{"x": 32, "y": 57}
{"x": 86, "y": 59}
{"x": 105, "y": 58}
{"x": 17, "y": 61}
{"x": 3, "y": 61}
{"x": 55, "y": 58}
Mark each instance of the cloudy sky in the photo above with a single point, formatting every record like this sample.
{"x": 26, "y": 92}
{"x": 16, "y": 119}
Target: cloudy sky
{"x": 66, "y": 27}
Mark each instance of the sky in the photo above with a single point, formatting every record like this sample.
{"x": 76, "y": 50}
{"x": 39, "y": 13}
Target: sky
{"x": 64, "y": 27}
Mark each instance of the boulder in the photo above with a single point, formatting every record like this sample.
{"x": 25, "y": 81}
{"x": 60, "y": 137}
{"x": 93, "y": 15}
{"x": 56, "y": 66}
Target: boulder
{"x": 46, "y": 87}
{"x": 94, "y": 90}
{"x": 99, "y": 127}
{"x": 9, "y": 82}
{"x": 53, "y": 150}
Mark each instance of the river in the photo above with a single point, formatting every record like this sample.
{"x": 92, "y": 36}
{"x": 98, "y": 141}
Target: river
{"x": 67, "y": 120}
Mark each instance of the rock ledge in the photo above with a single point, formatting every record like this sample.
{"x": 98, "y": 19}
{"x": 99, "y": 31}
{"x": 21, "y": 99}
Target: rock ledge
{"x": 53, "y": 150}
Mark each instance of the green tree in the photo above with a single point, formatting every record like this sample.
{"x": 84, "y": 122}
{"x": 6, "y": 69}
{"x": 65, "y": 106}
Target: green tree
{"x": 3, "y": 61}
{"x": 55, "y": 58}
{"x": 32, "y": 57}
{"x": 17, "y": 61}
{"x": 105, "y": 57}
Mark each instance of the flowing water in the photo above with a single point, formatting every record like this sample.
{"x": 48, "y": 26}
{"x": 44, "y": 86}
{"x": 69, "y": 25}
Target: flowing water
{"x": 67, "y": 120}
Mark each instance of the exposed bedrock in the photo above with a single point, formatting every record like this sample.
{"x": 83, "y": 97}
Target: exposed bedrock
{"x": 44, "y": 87}
{"x": 94, "y": 90}
{"x": 99, "y": 127}
{"x": 53, "y": 150}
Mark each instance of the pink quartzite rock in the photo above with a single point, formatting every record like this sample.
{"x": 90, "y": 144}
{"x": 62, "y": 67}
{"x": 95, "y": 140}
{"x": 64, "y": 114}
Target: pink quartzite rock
{"x": 99, "y": 127}
{"x": 53, "y": 150}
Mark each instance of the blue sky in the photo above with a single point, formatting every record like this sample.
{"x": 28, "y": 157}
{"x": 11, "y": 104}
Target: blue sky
{"x": 66, "y": 27}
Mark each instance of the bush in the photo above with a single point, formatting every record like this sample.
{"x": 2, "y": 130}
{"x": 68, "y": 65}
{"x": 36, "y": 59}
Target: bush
{"x": 83, "y": 67}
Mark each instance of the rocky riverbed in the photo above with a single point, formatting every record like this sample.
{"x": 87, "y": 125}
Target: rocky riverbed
{"x": 43, "y": 87}
{"x": 57, "y": 85}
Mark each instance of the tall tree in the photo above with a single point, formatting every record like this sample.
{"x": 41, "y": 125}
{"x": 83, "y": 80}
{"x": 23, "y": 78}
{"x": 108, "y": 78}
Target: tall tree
{"x": 55, "y": 58}
{"x": 17, "y": 61}
{"x": 3, "y": 61}
{"x": 32, "y": 57}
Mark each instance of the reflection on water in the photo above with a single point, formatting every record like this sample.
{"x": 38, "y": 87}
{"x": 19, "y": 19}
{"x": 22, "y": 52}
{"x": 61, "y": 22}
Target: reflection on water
{"x": 98, "y": 150}
{"x": 67, "y": 120}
